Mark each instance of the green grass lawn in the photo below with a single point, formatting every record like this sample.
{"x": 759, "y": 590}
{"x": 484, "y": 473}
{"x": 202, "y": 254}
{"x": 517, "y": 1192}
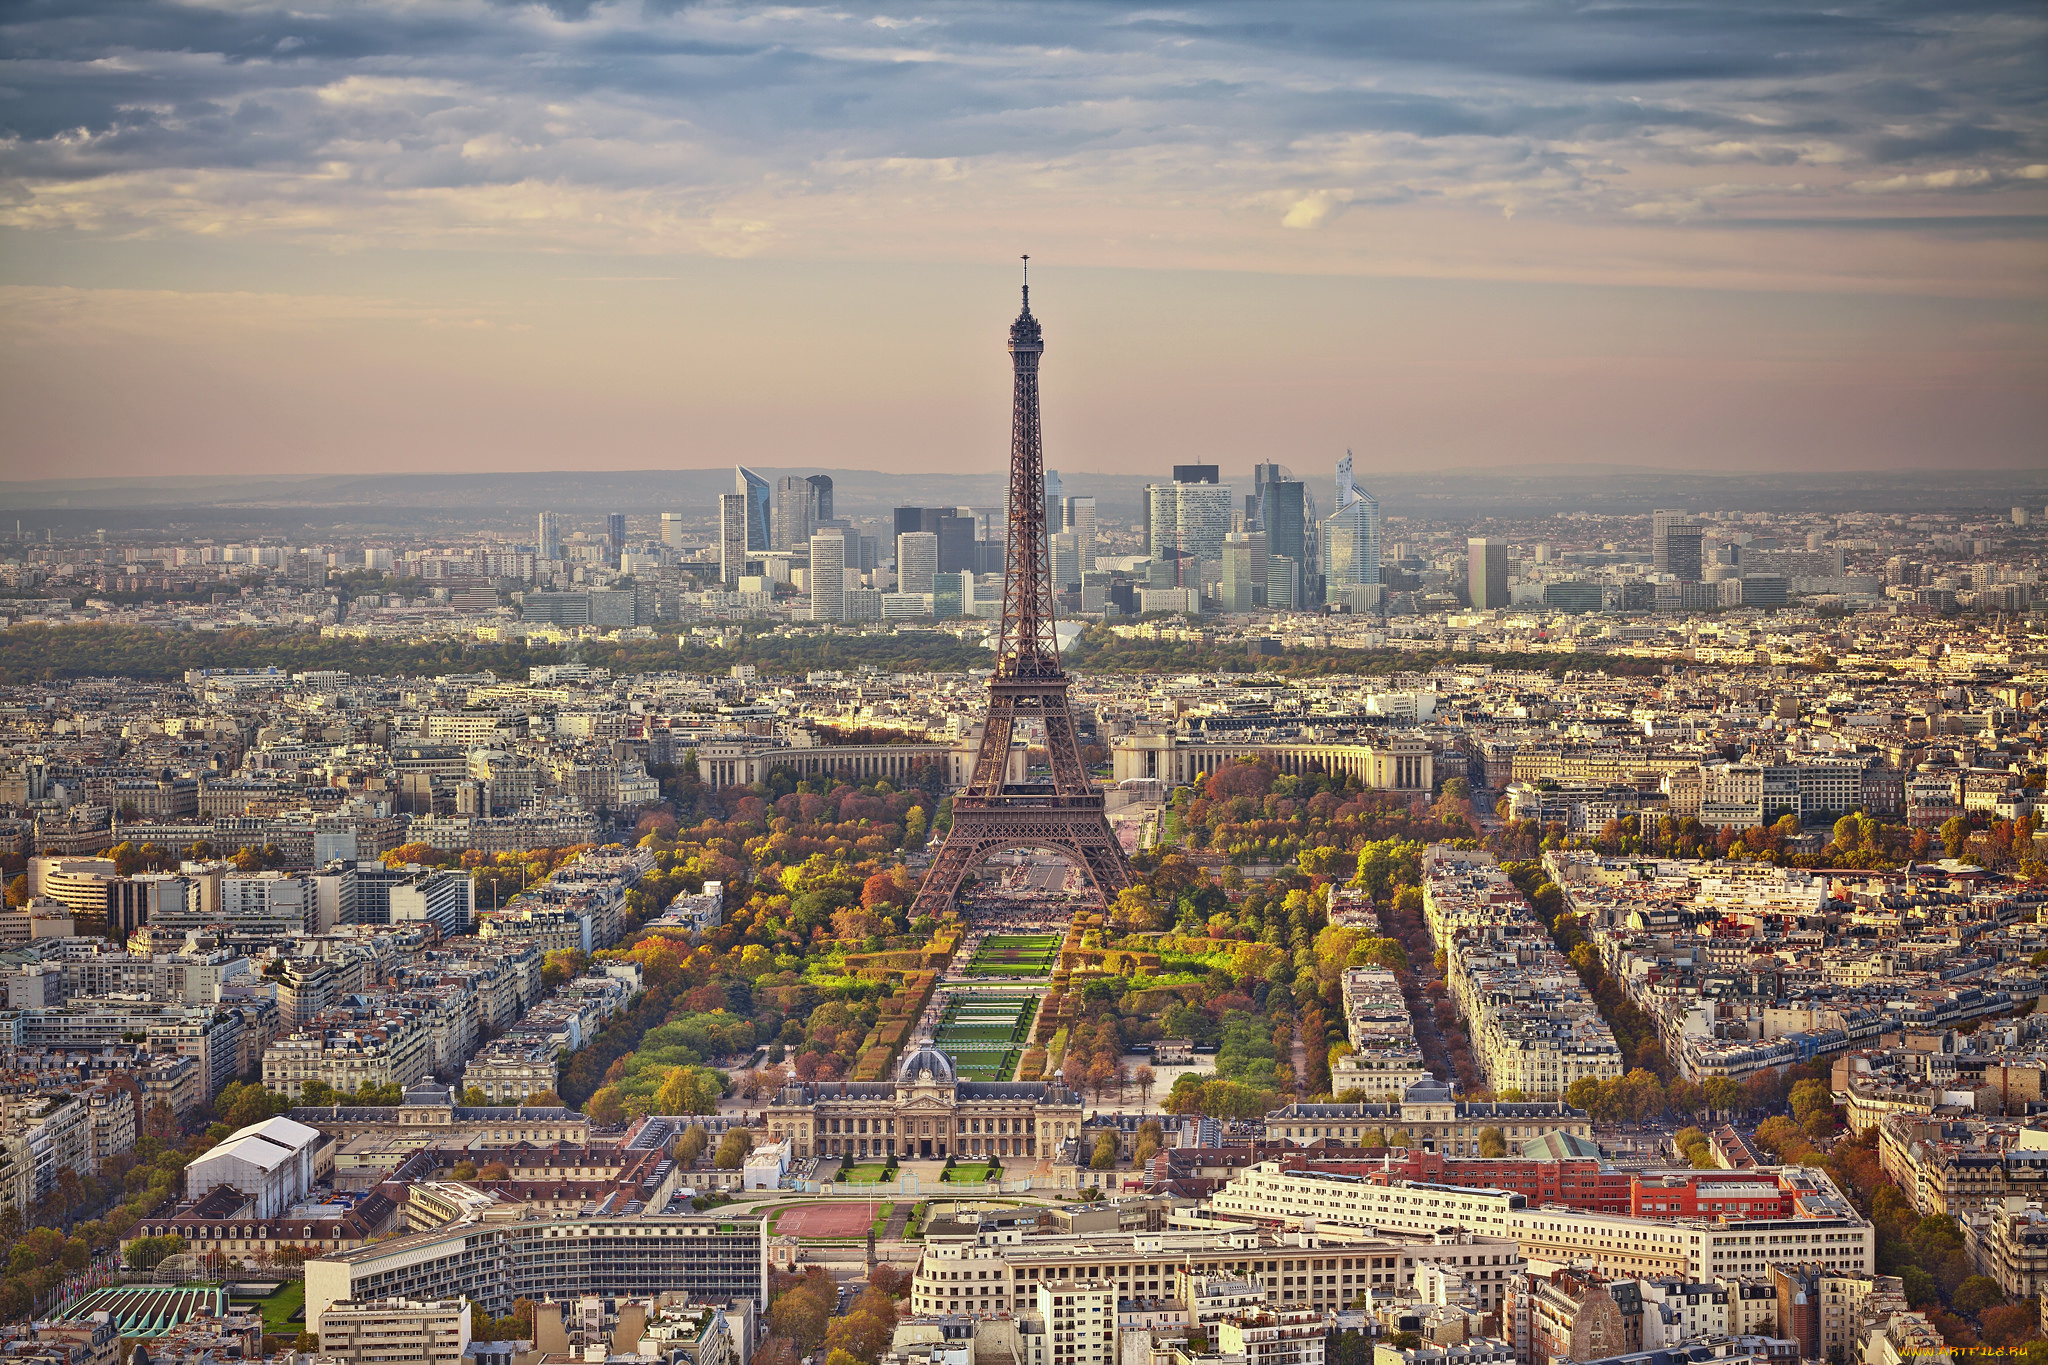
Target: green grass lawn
{"x": 1019, "y": 955}
{"x": 914, "y": 1228}
{"x": 966, "y": 1174}
{"x": 867, "y": 1172}
{"x": 985, "y": 1034}
{"x": 883, "y": 1213}
{"x": 277, "y": 1308}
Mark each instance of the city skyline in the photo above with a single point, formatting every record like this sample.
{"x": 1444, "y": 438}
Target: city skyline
{"x": 522, "y": 239}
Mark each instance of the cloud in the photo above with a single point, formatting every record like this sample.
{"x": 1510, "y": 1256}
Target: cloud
{"x": 730, "y": 129}
{"x": 1313, "y": 210}
{"x": 1959, "y": 178}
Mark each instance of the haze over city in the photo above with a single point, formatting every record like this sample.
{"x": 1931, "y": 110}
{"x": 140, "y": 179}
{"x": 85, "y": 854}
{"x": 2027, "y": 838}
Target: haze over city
{"x": 254, "y": 239}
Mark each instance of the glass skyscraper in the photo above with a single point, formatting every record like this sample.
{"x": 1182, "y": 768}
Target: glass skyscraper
{"x": 1283, "y": 510}
{"x": 1351, "y": 537}
{"x": 755, "y": 489}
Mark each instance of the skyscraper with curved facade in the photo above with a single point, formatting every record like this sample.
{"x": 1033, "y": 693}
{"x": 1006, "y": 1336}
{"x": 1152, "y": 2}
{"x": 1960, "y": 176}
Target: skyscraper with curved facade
{"x": 1351, "y": 539}
{"x": 755, "y": 490}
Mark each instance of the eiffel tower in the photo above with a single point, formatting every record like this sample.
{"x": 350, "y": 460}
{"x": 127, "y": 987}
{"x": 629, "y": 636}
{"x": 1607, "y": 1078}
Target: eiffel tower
{"x": 991, "y": 812}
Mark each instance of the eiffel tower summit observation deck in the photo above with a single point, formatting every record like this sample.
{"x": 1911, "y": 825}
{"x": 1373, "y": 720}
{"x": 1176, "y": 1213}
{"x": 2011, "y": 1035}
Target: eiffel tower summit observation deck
{"x": 1063, "y": 815}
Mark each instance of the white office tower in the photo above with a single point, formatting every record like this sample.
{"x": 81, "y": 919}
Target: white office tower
{"x": 1055, "y": 497}
{"x": 549, "y": 534}
{"x": 732, "y": 539}
{"x": 672, "y": 530}
{"x": 1243, "y": 587}
{"x": 828, "y": 576}
{"x": 1080, "y": 519}
{"x": 1191, "y": 518}
{"x": 917, "y": 561}
{"x": 283, "y": 900}
{"x": 1066, "y": 562}
{"x": 1351, "y": 545}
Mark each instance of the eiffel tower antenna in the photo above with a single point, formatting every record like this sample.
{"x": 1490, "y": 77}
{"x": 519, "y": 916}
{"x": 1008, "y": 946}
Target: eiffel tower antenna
{"x": 1064, "y": 815}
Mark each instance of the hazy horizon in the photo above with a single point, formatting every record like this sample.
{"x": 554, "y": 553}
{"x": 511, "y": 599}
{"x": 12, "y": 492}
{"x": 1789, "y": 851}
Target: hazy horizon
{"x": 474, "y": 237}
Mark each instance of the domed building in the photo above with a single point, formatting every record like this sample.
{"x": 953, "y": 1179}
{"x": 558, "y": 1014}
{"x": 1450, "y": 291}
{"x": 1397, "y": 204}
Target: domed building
{"x": 927, "y": 1113}
{"x": 926, "y": 1063}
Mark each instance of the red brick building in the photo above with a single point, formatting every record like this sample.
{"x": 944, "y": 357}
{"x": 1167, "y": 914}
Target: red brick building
{"x": 1581, "y": 1183}
{"x": 1733, "y": 1195}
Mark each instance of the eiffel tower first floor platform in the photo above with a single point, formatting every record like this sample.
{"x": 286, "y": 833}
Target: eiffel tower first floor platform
{"x": 1071, "y": 825}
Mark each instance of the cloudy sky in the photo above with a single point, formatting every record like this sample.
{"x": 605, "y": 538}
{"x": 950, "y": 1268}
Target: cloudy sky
{"x": 401, "y": 234}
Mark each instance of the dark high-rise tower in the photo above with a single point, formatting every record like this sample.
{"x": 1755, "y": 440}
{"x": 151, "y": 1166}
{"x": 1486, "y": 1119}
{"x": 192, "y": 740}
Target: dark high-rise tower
{"x": 991, "y": 813}
{"x": 821, "y": 489}
{"x": 1675, "y": 545}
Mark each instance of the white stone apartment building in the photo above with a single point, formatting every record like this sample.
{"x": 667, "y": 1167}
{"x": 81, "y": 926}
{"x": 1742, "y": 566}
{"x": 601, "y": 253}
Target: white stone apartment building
{"x": 1272, "y": 1337}
{"x": 1385, "y": 1059}
{"x": 510, "y": 1069}
{"x": 1079, "y": 1317}
{"x": 390, "y": 1050}
{"x": 391, "y": 1331}
{"x": 994, "y": 1273}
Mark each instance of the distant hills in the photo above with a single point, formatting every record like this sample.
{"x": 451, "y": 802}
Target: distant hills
{"x": 332, "y": 499}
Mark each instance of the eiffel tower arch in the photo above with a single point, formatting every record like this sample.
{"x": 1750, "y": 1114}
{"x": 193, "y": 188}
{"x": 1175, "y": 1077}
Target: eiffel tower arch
{"x": 1064, "y": 815}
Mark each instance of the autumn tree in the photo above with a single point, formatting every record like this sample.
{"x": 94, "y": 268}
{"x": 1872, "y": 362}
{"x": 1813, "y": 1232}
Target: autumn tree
{"x": 800, "y": 1313}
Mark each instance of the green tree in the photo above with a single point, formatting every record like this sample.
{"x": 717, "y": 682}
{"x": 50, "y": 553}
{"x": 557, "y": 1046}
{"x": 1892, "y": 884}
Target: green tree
{"x": 1918, "y": 1287}
{"x": 733, "y": 1149}
{"x": 1492, "y": 1142}
{"x": 1104, "y": 1156}
{"x": 1811, "y": 1095}
{"x": 1723, "y": 1094}
{"x": 1978, "y": 1293}
{"x": 146, "y": 1252}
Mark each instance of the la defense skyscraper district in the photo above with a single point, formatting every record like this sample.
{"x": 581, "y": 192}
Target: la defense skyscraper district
{"x": 1064, "y": 815}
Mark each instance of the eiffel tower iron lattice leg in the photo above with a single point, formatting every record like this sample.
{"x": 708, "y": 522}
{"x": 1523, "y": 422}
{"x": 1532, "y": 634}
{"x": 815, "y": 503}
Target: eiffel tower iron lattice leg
{"x": 991, "y": 812}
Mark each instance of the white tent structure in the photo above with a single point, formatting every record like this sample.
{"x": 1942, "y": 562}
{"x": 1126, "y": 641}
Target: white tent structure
{"x": 271, "y": 1161}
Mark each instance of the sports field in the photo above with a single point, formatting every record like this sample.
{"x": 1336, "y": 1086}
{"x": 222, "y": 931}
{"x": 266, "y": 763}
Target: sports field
{"x": 823, "y": 1220}
{"x": 985, "y": 1034}
{"x": 1020, "y": 955}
